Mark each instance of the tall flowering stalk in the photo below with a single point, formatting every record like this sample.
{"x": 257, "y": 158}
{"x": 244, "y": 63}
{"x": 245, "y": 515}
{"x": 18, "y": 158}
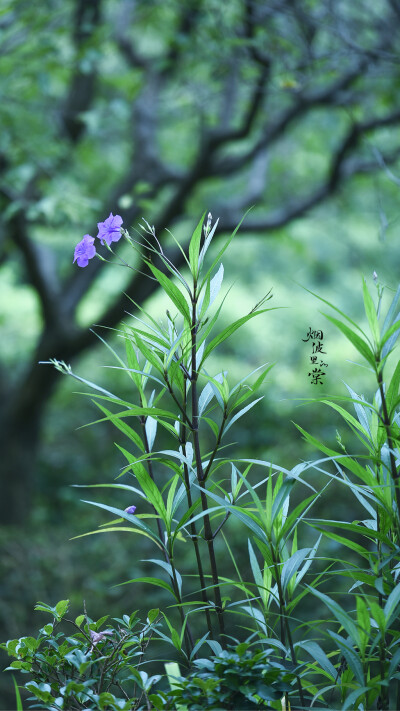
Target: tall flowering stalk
{"x": 168, "y": 361}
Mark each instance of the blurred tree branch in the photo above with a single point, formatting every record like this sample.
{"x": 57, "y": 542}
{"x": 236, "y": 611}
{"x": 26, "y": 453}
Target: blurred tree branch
{"x": 139, "y": 104}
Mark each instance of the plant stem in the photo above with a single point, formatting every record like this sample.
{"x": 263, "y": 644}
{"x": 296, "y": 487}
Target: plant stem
{"x": 193, "y": 528}
{"x": 282, "y": 606}
{"x": 168, "y": 558}
{"x": 387, "y": 426}
{"x": 208, "y": 534}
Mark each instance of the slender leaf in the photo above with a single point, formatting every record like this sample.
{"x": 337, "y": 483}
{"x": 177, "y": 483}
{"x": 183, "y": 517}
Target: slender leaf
{"x": 240, "y": 413}
{"x": 194, "y": 248}
{"x": 371, "y": 313}
{"x": 340, "y": 614}
{"x": 172, "y": 291}
{"x": 362, "y": 347}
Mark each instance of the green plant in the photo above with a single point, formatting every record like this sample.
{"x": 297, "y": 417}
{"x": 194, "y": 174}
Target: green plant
{"x": 240, "y": 677}
{"x": 186, "y": 488}
{"x": 79, "y": 664}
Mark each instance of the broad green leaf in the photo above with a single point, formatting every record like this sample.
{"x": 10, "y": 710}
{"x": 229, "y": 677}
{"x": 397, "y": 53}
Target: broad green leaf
{"x": 173, "y": 674}
{"x": 62, "y": 607}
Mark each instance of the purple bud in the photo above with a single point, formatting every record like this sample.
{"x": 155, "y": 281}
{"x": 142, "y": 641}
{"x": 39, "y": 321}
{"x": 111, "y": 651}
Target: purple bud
{"x": 130, "y": 509}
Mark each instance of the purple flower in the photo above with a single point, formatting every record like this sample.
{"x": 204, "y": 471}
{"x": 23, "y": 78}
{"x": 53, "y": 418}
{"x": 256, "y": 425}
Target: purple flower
{"x": 84, "y": 251}
{"x": 130, "y": 509}
{"x": 109, "y": 230}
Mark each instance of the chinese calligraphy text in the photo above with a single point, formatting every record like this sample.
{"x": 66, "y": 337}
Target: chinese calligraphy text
{"x": 316, "y": 337}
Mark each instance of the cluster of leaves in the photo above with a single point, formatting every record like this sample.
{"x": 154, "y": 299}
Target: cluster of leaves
{"x": 88, "y": 667}
{"x": 237, "y": 678}
{"x": 188, "y": 492}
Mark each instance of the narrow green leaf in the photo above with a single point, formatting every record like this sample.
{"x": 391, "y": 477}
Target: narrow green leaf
{"x": 148, "y": 486}
{"x": 18, "y": 699}
{"x": 291, "y": 566}
{"x": 224, "y": 247}
{"x": 335, "y": 309}
{"x": 392, "y": 604}
{"x": 345, "y": 542}
{"x": 244, "y": 516}
{"x": 122, "y": 426}
{"x": 172, "y": 291}
{"x": 393, "y": 390}
{"x": 364, "y": 622}
{"x": 128, "y": 517}
{"x": 148, "y": 353}
{"x": 353, "y": 700}
{"x": 390, "y": 337}
{"x": 152, "y": 581}
{"x": 118, "y": 529}
{"x": 351, "y": 657}
{"x": 132, "y": 360}
{"x": 168, "y": 568}
{"x": 362, "y": 347}
{"x": 221, "y": 337}
{"x": 240, "y": 413}
{"x": 319, "y": 656}
{"x": 391, "y": 314}
{"x": 194, "y": 248}
{"x": 371, "y": 313}
{"x": 340, "y": 614}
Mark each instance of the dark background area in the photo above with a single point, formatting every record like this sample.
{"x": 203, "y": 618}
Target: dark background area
{"x": 164, "y": 110}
